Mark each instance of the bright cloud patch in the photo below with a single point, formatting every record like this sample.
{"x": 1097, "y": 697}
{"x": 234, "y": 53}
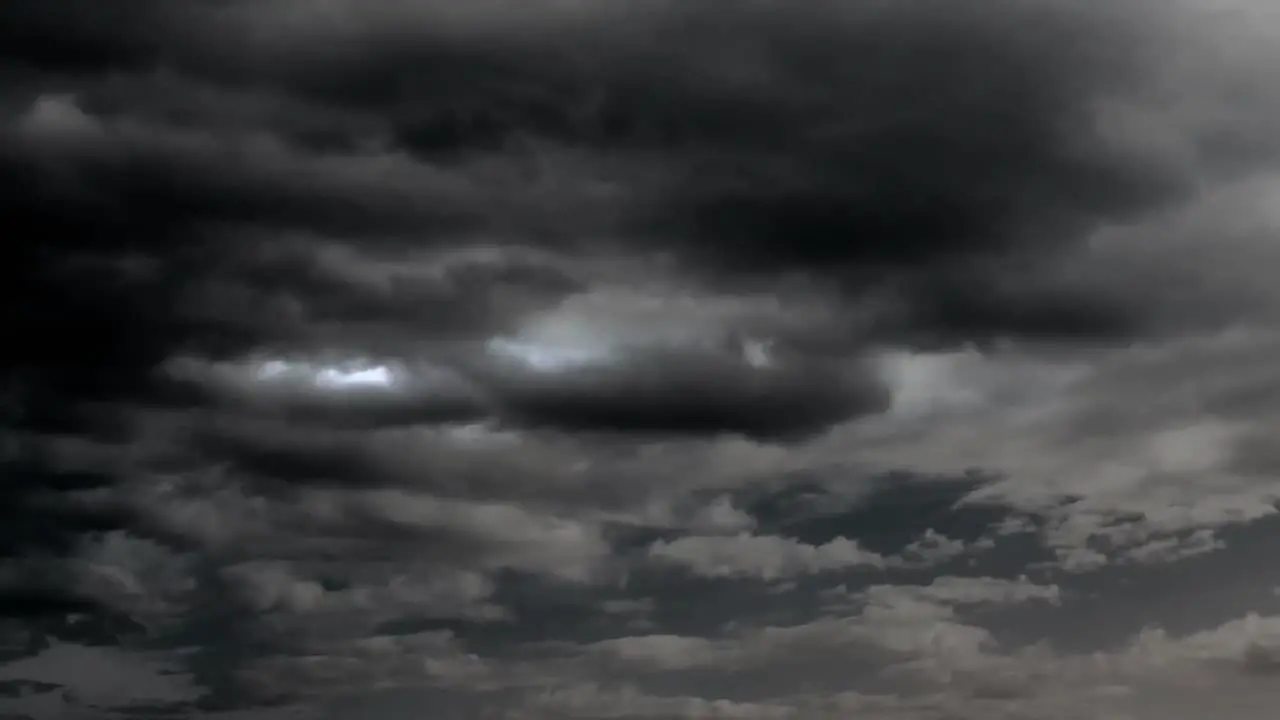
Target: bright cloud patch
{"x": 340, "y": 377}
{"x": 547, "y": 357}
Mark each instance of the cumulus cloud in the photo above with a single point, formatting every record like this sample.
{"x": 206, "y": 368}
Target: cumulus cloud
{"x": 764, "y": 557}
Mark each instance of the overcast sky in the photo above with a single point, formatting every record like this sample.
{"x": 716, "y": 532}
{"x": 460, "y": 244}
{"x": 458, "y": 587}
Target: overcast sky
{"x": 640, "y": 359}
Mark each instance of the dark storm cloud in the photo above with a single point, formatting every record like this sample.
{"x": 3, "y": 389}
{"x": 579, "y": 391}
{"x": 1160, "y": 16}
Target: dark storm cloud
{"x": 880, "y": 141}
{"x": 73, "y": 35}
{"x": 121, "y": 169}
{"x": 915, "y": 133}
{"x": 691, "y": 392}
{"x": 619, "y": 260}
{"x": 672, "y": 394}
{"x": 334, "y": 282}
{"x": 312, "y": 298}
{"x": 904, "y": 149}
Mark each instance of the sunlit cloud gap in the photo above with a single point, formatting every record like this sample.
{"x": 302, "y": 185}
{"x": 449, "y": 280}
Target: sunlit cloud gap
{"x": 329, "y": 378}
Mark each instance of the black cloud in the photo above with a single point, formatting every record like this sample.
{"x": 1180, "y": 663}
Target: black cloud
{"x": 692, "y": 393}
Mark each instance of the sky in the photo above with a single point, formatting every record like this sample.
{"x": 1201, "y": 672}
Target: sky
{"x": 639, "y": 359}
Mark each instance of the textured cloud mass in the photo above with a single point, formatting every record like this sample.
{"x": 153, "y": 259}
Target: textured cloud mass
{"x": 621, "y": 359}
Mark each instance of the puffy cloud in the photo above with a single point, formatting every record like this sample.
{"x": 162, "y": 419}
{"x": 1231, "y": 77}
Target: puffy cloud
{"x": 763, "y": 557}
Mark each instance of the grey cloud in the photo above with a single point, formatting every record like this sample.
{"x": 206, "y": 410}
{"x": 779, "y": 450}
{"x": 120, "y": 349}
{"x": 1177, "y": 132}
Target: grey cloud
{"x": 626, "y": 702}
{"x": 764, "y": 557}
{"x": 298, "y": 390}
{"x": 250, "y": 177}
{"x": 412, "y": 660}
{"x": 326, "y": 291}
{"x": 692, "y": 393}
{"x": 777, "y": 360}
{"x": 963, "y": 590}
{"x": 711, "y": 377}
{"x": 100, "y": 677}
{"x": 241, "y": 520}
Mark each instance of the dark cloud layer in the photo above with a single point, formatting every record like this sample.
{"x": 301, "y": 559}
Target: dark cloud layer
{"x": 623, "y": 359}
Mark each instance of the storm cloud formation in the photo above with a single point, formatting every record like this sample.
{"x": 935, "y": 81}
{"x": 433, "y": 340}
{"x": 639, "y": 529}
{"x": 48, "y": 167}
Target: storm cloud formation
{"x": 638, "y": 359}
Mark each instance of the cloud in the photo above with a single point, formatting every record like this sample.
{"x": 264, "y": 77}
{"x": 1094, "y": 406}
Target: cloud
{"x": 594, "y": 701}
{"x": 762, "y": 557}
{"x": 961, "y": 591}
{"x": 663, "y": 359}
{"x": 102, "y": 677}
